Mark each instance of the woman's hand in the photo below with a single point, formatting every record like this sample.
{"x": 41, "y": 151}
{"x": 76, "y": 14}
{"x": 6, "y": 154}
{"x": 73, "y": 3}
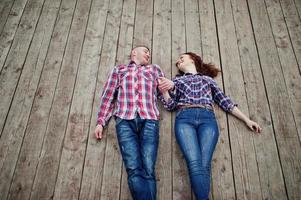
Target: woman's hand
{"x": 165, "y": 84}
{"x": 253, "y": 126}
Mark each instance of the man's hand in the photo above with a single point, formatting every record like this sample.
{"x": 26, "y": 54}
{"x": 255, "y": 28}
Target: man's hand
{"x": 98, "y": 132}
{"x": 165, "y": 84}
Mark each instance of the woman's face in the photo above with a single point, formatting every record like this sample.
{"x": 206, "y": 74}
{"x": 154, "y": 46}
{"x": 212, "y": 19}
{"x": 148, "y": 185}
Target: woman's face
{"x": 184, "y": 61}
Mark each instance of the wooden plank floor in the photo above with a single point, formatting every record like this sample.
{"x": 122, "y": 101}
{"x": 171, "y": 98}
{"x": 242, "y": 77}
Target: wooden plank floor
{"x": 55, "y": 56}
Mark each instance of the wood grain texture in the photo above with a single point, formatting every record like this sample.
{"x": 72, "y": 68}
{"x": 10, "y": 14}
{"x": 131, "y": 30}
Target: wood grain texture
{"x": 10, "y": 142}
{"x": 112, "y": 164}
{"x": 285, "y": 129}
{"x": 22, "y": 104}
{"x": 42, "y": 118}
{"x": 88, "y": 103}
{"x": 271, "y": 177}
{"x": 245, "y": 168}
{"x": 5, "y": 7}
{"x": 162, "y": 57}
{"x": 181, "y": 183}
{"x": 55, "y": 56}
{"x": 222, "y": 173}
{"x": 9, "y": 29}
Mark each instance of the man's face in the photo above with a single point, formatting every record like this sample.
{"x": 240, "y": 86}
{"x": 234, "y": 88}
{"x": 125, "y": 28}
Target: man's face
{"x": 142, "y": 55}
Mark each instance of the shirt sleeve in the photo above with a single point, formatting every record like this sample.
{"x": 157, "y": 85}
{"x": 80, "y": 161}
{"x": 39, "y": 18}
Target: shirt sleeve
{"x": 167, "y": 104}
{"x": 220, "y": 98}
{"x": 171, "y": 103}
{"x": 107, "y": 98}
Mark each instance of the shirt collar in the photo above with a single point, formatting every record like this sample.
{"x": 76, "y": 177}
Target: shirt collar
{"x": 133, "y": 63}
{"x": 187, "y": 74}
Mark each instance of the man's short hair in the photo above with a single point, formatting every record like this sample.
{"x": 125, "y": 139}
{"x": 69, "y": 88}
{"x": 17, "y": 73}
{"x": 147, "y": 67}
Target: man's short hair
{"x": 137, "y": 46}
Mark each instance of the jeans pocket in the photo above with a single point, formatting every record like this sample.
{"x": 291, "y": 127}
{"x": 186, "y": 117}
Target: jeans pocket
{"x": 210, "y": 113}
{"x": 118, "y": 120}
{"x": 178, "y": 113}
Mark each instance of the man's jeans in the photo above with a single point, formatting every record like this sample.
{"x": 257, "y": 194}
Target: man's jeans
{"x": 197, "y": 134}
{"x": 138, "y": 142}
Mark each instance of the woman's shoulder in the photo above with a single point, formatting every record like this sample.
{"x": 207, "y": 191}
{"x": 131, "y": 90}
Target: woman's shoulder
{"x": 177, "y": 77}
{"x": 208, "y": 79}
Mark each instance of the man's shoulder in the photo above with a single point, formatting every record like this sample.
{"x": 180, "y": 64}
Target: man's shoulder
{"x": 120, "y": 67}
{"x": 154, "y": 66}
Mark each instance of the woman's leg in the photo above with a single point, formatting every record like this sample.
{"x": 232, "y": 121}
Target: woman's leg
{"x": 186, "y": 136}
{"x": 197, "y": 134}
{"x": 207, "y": 138}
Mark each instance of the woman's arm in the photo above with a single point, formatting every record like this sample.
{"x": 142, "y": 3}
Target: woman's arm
{"x": 166, "y": 95}
{"x": 251, "y": 124}
{"x": 164, "y": 86}
{"x": 229, "y": 106}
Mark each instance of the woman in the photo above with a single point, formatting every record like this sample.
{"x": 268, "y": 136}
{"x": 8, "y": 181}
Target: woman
{"x": 192, "y": 93}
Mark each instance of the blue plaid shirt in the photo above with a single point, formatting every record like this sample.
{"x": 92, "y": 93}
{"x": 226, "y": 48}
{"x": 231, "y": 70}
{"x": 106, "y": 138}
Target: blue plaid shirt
{"x": 197, "y": 89}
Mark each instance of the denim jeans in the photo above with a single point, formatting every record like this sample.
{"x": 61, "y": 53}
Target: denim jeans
{"x": 138, "y": 141}
{"x": 197, "y": 134}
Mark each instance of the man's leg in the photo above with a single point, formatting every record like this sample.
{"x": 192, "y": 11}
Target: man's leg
{"x": 149, "y": 140}
{"x": 130, "y": 151}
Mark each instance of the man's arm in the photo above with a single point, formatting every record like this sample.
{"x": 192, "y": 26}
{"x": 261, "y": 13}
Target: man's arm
{"x": 106, "y": 102}
{"x": 164, "y": 85}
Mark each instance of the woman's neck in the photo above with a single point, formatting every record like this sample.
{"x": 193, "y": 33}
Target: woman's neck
{"x": 190, "y": 69}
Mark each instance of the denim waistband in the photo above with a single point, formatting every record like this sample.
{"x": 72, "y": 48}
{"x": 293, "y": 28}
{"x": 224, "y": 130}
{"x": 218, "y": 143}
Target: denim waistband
{"x": 206, "y": 106}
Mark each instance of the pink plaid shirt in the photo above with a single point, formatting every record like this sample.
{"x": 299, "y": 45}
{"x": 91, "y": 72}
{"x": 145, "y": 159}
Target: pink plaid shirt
{"x": 130, "y": 90}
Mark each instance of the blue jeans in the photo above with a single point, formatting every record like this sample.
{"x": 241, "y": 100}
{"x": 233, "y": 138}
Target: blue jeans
{"x": 138, "y": 142}
{"x": 197, "y": 134}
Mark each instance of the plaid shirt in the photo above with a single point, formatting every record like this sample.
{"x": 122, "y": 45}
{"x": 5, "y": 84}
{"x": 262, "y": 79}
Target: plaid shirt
{"x": 130, "y": 90}
{"x": 197, "y": 89}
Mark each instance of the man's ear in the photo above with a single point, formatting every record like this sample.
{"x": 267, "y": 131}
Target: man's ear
{"x": 134, "y": 52}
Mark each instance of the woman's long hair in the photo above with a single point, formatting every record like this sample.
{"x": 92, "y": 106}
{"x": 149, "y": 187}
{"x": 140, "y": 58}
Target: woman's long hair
{"x": 207, "y": 69}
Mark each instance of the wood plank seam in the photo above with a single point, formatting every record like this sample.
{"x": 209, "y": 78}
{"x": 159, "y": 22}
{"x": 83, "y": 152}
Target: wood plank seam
{"x": 245, "y": 90}
{"x": 31, "y": 107}
{"x": 2, "y": 28}
{"x": 266, "y": 92}
{"x": 47, "y": 124}
{"x": 14, "y": 32}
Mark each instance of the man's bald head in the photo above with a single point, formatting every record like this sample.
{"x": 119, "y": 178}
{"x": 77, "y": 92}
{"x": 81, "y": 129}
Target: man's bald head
{"x": 140, "y": 55}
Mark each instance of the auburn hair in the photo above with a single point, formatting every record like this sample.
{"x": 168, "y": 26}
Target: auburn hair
{"x": 207, "y": 69}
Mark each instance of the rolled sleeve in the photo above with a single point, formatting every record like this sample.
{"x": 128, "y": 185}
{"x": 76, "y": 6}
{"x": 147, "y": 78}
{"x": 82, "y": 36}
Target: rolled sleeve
{"x": 221, "y": 99}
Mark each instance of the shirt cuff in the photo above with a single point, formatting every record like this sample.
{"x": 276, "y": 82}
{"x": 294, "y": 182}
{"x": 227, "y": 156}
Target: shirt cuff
{"x": 101, "y": 122}
{"x": 231, "y": 107}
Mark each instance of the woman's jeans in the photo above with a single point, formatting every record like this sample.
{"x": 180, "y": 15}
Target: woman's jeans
{"x": 138, "y": 142}
{"x": 197, "y": 134}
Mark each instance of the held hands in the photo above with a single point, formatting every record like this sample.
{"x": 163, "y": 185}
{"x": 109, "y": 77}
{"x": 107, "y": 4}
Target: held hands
{"x": 253, "y": 126}
{"x": 165, "y": 84}
{"x": 98, "y": 132}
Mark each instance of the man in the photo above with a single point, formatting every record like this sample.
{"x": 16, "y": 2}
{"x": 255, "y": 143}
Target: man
{"x": 130, "y": 94}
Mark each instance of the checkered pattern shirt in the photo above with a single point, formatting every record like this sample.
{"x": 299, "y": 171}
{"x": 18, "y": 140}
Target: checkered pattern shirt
{"x": 197, "y": 89}
{"x": 130, "y": 90}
